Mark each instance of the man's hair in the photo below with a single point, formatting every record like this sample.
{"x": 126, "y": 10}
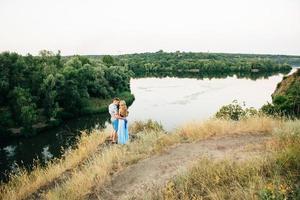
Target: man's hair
{"x": 116, "y": 99}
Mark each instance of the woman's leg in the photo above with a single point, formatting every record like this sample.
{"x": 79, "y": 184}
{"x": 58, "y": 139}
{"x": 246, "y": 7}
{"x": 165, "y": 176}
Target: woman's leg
{"x": 121, "y": 132}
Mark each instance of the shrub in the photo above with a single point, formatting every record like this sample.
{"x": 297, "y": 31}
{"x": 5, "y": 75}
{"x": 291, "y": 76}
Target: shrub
{"x": 141, "y": 126}
{"x": 235, "y": 111}
{"x": 270, "y": 109}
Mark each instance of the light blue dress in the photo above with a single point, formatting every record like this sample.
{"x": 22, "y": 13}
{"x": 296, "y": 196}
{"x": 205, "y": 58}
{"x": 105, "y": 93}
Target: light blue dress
{"x": 123, "y": 135}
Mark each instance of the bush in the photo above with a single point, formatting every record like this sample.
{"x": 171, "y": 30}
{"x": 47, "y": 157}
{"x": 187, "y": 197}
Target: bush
{"x": 235, "y": 111}
{"x": 269, "y": 109}
{"x": 145, "y": 126}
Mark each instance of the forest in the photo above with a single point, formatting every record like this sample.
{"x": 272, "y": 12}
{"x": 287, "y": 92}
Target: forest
{"x": 43, "y": 89}
{"x": 205, "y": 62}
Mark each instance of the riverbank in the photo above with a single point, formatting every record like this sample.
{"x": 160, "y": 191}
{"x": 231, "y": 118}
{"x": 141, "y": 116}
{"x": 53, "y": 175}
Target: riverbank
{"x": 94, "y": 106}
{"x": 95, "y": 163}
{"x": 97, "y": 106}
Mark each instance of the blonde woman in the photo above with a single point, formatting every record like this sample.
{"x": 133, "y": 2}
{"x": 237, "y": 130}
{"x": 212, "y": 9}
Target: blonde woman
{"x": 123, "y": 135}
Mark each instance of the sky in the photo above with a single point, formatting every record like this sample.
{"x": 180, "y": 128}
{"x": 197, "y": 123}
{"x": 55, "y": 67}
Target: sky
{"x": 133, "y": 26}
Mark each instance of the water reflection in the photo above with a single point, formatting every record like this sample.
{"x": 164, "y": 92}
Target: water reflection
{"x": 46, "y": 154}
{"x": 10, "y": 150}
{"x": 203, "y": 75}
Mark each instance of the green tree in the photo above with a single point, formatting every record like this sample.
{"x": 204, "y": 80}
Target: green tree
{"x": 24, "y": 110}
{"x": 50, "y": 104}
{"x": 108, "y": 60}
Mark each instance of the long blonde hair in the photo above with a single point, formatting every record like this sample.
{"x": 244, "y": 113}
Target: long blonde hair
{"x": 123, "y": 109}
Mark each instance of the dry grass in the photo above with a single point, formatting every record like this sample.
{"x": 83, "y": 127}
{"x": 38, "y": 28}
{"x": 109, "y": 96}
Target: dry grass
{"x": 194, "y": 131}
{"x": 142, "y": 126}
{"x": 99, "y": 166}
{"x": 215, "y": 180}
{"x": 274, "y": 177}
{"x": 220, "y": 127}
{"x": 23, "y": 184}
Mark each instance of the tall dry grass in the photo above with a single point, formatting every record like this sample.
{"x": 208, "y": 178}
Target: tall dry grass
{"x": 271, "y": 177}
{"x": 22, "y": 184}
{"x": 216, "y": 180}
{"x": 221, "y": 127}
{"x": 194, "y": 131}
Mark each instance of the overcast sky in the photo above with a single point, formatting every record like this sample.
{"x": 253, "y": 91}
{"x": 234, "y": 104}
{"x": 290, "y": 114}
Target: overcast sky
{"x": 128, "y": 26}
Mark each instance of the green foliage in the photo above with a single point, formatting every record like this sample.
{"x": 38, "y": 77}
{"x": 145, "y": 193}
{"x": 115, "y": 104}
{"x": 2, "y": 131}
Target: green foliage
{"x": 270, "y": 109}
{"x": 49, "y": 102}
{"x": 203, "y": 62}
{"x": 96, "y": 105}
{"x": 23, "y": 109}
{"x": 118, "y": 78}
{"x": 6, "y": 120}
{"x": 235, "y": 111}
{"x": 45, "y": 87}
{"x": 108, "y": 60}
{"x": 287, "y": 102}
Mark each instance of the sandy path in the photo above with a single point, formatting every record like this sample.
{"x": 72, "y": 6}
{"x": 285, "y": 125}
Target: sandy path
{"x": 135, "y": 180}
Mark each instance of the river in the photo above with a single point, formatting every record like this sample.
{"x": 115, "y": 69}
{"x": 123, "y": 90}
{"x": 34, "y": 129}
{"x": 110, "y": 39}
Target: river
{"x": 169, "y": 100}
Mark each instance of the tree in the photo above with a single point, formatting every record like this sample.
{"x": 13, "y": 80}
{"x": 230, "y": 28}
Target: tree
{"x": 71, "y": 97}
{"x": 24, "y": 110}
{"x": 50, "y": 104}
{"x": 108, "y": 60}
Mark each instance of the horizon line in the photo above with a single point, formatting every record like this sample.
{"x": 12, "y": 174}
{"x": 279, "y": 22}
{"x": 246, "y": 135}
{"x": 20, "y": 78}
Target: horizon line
{"x": 121, "y": 54}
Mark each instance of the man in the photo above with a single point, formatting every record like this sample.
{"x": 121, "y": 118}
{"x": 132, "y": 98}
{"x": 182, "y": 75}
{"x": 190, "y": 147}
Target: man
{"x": 114, "y": 114}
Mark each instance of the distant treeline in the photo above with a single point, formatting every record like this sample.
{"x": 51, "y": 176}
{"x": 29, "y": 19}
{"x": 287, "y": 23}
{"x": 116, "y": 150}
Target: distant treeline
{"x": 209, "y": 75}
{"x": 35, "y": 90}
{"x": 205, "y": 62}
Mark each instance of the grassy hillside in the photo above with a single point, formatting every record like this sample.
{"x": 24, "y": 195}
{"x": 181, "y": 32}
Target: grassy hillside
{"x": 92, "y": 162}
{"x": 286, "y": 98}
{"x": 287, "y": 82}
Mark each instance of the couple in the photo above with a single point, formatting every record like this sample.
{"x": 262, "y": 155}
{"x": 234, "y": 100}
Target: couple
{"x": 118, "y": 112}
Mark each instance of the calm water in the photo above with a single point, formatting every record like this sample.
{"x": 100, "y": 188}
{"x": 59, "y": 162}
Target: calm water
{"x": 169, "y": 100}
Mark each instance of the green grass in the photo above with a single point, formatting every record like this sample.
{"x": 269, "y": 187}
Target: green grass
{"x": 96, "y": 105}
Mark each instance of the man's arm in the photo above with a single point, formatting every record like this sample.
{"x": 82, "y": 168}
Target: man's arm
{"x": 114, "y": 112}
{"x": 118, "y": 116}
